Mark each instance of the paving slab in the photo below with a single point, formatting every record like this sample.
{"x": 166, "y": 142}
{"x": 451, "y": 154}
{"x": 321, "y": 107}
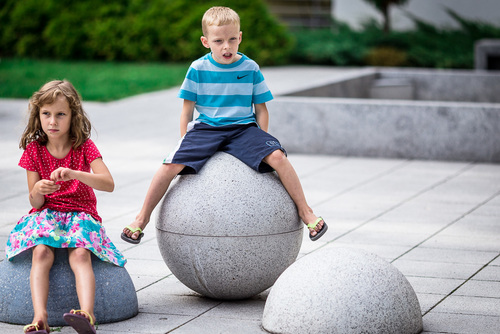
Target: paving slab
{"x": 437, "y": 222}
{"x": 450, "y": 255}
{"x": 433, "y": 285}
{"x": 471, "y": 305}
{"x": 489, "y": 273}
{"x": 460, "y": 323}
{"x": 476, "y": 288}
{"x": 428, "y": 301}
{"x": 437, "y": 269}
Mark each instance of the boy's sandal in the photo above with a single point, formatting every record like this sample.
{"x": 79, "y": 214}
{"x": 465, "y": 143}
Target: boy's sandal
{"x": 133, "y": 230}
{"x": 37, "y": 328}
{"x": 320, "y": 233}
{"x": 82, "y": 324}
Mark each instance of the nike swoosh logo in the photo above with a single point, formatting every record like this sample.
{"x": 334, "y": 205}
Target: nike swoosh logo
{"x": 238, "y": 77}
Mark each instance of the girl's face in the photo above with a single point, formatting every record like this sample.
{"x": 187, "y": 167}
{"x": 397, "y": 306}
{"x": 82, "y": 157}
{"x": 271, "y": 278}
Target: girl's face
{"x": 56, "y": 119}
{"x": 223, "y": 41}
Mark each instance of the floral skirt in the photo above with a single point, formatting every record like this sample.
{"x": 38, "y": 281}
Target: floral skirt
{"x": 62, "y": 230}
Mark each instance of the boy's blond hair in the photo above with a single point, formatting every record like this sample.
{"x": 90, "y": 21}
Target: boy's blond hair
{"x": 219, "y": 16}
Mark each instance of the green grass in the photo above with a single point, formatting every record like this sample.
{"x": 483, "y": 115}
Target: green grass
{"x": 95, "y": 81}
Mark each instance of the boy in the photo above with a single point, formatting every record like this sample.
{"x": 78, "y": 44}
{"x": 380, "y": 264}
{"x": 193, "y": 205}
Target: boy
{"x": 222, "y": 86}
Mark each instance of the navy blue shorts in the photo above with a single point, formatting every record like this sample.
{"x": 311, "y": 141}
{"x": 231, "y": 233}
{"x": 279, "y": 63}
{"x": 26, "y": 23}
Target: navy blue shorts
{"x": 246, "y": 142}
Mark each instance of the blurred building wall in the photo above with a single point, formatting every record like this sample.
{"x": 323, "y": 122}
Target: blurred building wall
{"x": 354, "y": 12}
{"x": 302, "y": 13}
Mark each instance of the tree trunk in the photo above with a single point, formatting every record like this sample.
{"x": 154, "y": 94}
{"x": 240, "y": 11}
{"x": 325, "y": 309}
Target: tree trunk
{"x": 387, "y": 18}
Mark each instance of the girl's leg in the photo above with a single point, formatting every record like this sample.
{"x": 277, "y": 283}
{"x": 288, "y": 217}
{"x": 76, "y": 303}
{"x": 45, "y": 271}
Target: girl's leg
{"x": 81, "y": 263}
{"x": 279, "y": 162}
{"x": 42, "y": 260}
{"x": 157, "y": 189}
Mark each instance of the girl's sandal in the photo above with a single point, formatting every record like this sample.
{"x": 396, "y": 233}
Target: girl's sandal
{"x": 38, "y": 328}
{"x": 82, "y": 324}
{"x": 320, "y": 233}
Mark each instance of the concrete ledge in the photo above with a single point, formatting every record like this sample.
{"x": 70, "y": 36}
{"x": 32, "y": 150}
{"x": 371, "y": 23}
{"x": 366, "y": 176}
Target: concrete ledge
{"x": 487, "y": 54}
{"x": 448, "y": 85}
{"x": 388, "y": 128}
{"x": 426, "y": 85}
{"x": 392, "y": 88}
{"x": 350, "y": 85}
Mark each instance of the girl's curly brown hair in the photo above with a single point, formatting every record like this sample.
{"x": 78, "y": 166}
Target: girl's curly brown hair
{"x": 80, "y": 128}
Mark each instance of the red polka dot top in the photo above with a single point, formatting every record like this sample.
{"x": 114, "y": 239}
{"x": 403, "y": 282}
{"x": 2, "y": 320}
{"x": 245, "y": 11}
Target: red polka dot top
{"x": 73, "y": 196}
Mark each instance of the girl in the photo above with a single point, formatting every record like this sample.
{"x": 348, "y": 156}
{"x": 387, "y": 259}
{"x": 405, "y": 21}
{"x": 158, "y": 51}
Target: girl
{"x": 63, "y": 166}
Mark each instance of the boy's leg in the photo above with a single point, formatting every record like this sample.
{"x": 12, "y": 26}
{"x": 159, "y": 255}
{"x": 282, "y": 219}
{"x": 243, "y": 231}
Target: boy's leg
{"x": 279, "y": 162}
{"x": 157, "y": 189}
{"x": 42, "y": 260}
{"x": 81, "y": 263}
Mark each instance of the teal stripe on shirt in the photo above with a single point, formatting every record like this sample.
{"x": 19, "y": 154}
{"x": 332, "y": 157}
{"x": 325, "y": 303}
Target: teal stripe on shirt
{"x": 204, "y": 100}
{"x": 262, "y": 98}
{"x": 223, "y": 77}
{"x": 226, "y": 120}
{"x": 224, "y": 100}
{"x": 187, "y": 95}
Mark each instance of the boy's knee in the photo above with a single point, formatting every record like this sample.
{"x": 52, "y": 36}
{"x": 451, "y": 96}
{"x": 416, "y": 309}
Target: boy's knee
{"x": 171, "y": 168}
{"x": 275, "y": 157}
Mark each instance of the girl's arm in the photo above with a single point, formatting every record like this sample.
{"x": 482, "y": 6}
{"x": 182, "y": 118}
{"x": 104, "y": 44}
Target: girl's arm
{"x": 99, "y": 179}
{"x": 262, "y": 116}
{"x": 186, "y": 115}
{"x": 38, "y": 188}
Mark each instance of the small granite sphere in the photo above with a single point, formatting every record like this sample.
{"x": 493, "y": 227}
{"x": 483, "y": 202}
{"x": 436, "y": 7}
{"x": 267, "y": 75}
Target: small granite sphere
{"x": 346, "y": 291}
{"x": 115, "y": 297}
{"x": 228, "y": 232}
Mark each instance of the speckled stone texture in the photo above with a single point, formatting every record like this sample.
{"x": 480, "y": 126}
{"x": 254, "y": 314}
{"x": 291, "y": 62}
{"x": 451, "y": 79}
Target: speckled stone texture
{"x": 115, "y": 298}
{"x": 228, "y": 232}
{"x": 345, "y": 291}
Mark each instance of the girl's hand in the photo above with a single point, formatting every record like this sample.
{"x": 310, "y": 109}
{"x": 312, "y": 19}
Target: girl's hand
{"x": 62, "y": 174}
{"x": 99, "y": 179}
{"x": 45, "y": 187}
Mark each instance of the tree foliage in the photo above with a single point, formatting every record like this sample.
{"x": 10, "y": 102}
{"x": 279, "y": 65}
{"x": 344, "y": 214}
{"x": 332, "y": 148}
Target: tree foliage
{"x": 426, "y": 46}
{"x": 132, "y": 30}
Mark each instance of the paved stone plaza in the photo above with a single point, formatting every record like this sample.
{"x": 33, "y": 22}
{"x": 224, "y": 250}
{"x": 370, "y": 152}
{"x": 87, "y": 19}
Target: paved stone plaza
{"x": 437, "y": 222}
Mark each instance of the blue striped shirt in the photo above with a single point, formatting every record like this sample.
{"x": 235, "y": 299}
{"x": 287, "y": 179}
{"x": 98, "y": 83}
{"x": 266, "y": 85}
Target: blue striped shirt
{"x": 225, "y": 94}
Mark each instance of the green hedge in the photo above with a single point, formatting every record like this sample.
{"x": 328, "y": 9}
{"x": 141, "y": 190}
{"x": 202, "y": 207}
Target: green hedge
{"x": 170, "y": 30}
{"x": 426, "y": 46}
{"x": 132, "y": 30}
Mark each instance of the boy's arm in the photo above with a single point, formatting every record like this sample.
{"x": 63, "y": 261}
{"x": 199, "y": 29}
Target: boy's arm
{"x": 186, "y": 115}
{"x": 262, "y": 116}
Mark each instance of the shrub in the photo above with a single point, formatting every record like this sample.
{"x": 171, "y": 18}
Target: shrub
{"x": 137, "y": 30}
{"x": 426, "y": 46}
{"x": 340, "y": 46}
{"x": 386, "y": 56}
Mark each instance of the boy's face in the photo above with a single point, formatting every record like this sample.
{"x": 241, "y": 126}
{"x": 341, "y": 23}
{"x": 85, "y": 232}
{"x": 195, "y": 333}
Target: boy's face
{"x": 223, "y": 41}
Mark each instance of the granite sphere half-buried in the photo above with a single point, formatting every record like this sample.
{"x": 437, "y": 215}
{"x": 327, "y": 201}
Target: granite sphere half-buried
{"x": 115, "y": 296}
{"x": 344, "y": 291}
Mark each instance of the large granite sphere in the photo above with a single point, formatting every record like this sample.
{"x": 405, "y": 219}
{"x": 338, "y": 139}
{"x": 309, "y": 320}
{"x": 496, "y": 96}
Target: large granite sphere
{"x": 115, "y": 297}
{"x": 228, "y": 232}
{"x": 345, "y": 291}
